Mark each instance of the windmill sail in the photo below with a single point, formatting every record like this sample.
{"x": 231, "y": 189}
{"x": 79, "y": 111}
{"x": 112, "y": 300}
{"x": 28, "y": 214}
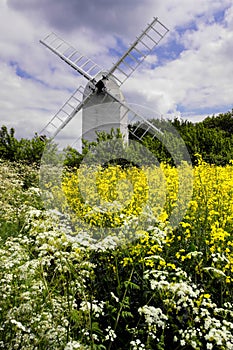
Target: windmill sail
{"x": 70, "y": 55}
{"x": 71, "y": 107}
{"x": 142, "y": 123}
{"x": 66, "y": 113}
{"x": 124, "y": 67}
{"x": 138, "y": 51}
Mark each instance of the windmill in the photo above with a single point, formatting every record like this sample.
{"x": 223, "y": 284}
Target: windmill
{"x": 102, "y": 101}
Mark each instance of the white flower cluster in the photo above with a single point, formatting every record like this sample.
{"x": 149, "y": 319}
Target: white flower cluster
{"x": 200, "y": 320}
{"x": 41, "y": 274}
{"x": 95, "y": 307}
{"x": 73, "y": 345}
{"x": 137, "y": 345}
{"x": 153, "y": 316}
{"x": 111, "y": 335}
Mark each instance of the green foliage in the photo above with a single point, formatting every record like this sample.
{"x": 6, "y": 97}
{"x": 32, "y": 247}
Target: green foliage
{"x": 24, "y": 150}
{"x": 212, "y": 139}
{"x": 223, "y": 121}
{"x": 18, "y": 192}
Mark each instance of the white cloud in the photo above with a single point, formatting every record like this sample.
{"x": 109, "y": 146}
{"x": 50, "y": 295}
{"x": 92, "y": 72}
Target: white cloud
{"x": 200, "y": 78}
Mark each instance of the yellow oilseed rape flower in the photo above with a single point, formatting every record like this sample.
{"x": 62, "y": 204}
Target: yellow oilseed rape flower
{"x": 106, "y": 197}
{"x": 207, "y": 296}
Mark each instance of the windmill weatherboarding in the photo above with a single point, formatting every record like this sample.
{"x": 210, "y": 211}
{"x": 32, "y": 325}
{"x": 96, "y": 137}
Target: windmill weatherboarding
{"x": 101, "y": 100}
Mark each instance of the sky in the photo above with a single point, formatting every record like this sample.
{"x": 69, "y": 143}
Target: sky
{"x": 189, "y": 75}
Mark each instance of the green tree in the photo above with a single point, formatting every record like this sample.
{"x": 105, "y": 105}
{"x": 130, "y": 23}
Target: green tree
{"x": 24, "y": 150}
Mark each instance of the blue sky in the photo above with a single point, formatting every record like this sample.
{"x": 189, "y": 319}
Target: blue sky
{"x": 189, "y": 74}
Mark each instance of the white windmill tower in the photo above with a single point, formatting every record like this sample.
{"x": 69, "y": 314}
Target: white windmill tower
{"x": 102, "y": 101}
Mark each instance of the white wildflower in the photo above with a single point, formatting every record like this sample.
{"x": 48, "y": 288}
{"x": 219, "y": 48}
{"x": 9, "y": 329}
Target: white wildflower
{"x": 153, "y": 316}
{"x": 114, "y": 297}
{"x": 111, "y": 335}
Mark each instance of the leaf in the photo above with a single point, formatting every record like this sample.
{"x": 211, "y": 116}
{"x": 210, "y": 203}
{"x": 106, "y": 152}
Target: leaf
{"x": 131, "y": 285}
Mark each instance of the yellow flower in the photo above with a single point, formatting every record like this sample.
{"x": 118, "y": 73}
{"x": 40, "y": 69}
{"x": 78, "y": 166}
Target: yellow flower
{"x": 207, "y": 296}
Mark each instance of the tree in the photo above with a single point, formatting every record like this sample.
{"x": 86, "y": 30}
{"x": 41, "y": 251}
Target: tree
{"x": 24, "y": 150}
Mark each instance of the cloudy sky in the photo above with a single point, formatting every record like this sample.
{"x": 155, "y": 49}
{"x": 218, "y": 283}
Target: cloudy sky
{"x": 191, "y": 75}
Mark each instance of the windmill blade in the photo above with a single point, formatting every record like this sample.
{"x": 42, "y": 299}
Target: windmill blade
{"x": 70, "y": 55}
{"x": 66, "y": 113}
{"x": 138, "y": 51}
{"x": 141, "y": 122}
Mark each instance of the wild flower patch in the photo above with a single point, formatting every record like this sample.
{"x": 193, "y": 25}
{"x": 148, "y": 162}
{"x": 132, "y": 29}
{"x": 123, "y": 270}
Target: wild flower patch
{"x": 62, "y": 287}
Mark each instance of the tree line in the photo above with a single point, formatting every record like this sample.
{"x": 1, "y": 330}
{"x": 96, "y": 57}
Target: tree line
{"x": 211, "y": 138}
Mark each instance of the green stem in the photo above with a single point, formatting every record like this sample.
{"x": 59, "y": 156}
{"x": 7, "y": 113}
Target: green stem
{"x": 121, "y": 307}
